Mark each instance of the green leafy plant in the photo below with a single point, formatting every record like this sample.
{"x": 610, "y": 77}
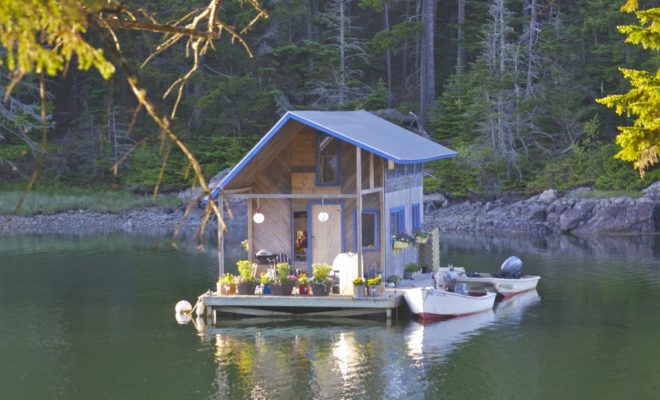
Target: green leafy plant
{"x": 359, "y": 281}
{"x": 283, "y": 271}
{"x": 412, "y": 267}
{"x": 265, "y": 279}
{"x": 320, "y": 273}
{"x": 245, "y": 269}
{"x": 303, "y": 279}
{"x": 393, "y": 279}
{"x": 226, "y": 279}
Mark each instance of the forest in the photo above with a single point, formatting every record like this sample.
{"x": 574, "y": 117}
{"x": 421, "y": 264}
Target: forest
{"x": 509, "y": 84}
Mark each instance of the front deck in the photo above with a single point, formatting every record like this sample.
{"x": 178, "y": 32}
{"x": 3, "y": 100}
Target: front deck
{"x": 332, "y": 306}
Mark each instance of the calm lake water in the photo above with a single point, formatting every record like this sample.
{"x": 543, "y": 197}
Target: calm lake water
{"x": 92, "y": 318}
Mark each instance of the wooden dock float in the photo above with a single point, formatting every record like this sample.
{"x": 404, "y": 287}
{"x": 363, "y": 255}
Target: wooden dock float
{"x": 302, "y": 306}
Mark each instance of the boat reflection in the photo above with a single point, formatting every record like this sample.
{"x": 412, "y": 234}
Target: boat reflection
{"x": 439, "y": 339}
{"x": 513, "y": 308}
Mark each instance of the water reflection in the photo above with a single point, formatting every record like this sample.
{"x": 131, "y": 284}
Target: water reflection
{"x": 512, "y": 309}
{"x": 437, "y": 340}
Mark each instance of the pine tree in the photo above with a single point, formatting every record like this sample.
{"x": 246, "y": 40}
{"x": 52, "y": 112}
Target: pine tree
{"x": 640, "y": 143}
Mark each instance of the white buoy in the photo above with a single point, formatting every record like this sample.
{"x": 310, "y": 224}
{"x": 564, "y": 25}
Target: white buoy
{"x": 182, "y": 318}
{"x": 182, "y": 307}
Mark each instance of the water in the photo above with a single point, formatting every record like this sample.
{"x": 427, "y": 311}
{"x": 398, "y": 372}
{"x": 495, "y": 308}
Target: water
{"x": 92, "y": 318}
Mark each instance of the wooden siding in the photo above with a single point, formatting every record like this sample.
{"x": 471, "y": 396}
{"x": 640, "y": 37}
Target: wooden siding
{"x": 261, "y": 162}
{"x": 395, "y": 263}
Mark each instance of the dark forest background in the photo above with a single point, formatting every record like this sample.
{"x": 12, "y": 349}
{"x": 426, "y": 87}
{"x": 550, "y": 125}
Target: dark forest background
{"x": 509, "y": 84}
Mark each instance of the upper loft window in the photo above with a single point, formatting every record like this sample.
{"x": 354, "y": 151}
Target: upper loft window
{"x": 404, "y": 170}
{"x": 327, "y": 160}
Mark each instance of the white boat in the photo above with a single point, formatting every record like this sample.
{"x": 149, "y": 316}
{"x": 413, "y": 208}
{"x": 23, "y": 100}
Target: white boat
{"x": 429, "y": 303}
{"x": 507, "y": 283}
{"x": 506, "y": 287}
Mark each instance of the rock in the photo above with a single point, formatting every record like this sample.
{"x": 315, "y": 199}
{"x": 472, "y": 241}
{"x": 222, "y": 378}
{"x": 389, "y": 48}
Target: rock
{"x": 653, "y": 191}
{"x": 437, "y": 199}
{"x": 538, "y": 214}
{"x": 548, "y": 196}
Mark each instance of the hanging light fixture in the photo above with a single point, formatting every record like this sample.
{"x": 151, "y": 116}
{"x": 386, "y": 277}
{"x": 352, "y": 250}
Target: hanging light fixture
{"x": 323, "y": 216}
{"x": 258, "y": 217}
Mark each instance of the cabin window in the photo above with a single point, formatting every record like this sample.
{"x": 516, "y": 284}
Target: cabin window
{"x": 327, "y": 160}
{"x": 416, "y": 217}
{"x": 299, "y": 233}
{"x": 370, "y": 230}
{"x": 397, "y": 220}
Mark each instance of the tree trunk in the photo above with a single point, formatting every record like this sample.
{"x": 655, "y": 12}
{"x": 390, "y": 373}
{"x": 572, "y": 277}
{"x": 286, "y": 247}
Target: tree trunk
{"x": 342, "y": 52}
{"x": 312, "y": 30}
{"x": 427, "y": 65}
{"x": 388, "y": 57}
{"x": 460, "y": 51}
{"x": 533, "y": 28}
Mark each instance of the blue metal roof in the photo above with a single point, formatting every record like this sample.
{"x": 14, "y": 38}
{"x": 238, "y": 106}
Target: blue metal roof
{"x": 361, "y": 129}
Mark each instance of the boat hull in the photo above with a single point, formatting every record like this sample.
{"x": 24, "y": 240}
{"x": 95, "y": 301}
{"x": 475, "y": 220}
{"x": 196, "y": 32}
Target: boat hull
{"x": 429, "y": 303}
{"x": 503, "y": 286}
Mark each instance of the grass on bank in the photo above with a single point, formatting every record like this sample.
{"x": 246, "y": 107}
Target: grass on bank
{"x": 606, "y": 194}
{"x": 51, "y": 201}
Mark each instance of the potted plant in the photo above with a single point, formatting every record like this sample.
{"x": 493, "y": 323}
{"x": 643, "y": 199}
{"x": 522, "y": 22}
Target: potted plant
{"x": 246, "y": 282}
{"x": 359, "y": 287}
{"x": 422, "y": 237}
{"x": 320, "y": 283}
{"x": 303, "y": 284}
{"x": 226, "y": 284}
{"x": 393, "y": 280}
{"x": 410, "y": 269}
{"x": 283, "y": 285}
{"x": 401, "y": 241}
{"x": 373, "y": 283}
{"x": 266, "y": 283}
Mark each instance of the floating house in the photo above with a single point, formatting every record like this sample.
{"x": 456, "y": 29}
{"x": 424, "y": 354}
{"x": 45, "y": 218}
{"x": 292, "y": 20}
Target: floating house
{"x": 310, "y": 177}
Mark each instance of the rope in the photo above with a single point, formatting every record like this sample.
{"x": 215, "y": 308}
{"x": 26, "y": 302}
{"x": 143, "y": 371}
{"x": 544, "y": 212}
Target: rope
{"x": 199, "y": 300}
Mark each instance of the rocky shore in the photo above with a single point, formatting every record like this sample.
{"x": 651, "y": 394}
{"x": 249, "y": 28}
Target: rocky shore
{"x": 549, "y": 212}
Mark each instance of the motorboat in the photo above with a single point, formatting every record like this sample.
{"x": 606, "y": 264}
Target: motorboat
{"x": 431, "y": 303}
{"x": 508, "y": 282}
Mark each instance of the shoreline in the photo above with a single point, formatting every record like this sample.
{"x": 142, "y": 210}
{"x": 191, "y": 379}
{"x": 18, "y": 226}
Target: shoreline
{"x": 546, "y": 213}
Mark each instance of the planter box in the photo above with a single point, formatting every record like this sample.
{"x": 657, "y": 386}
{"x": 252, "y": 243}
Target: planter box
{"x": 303, "y": 290}
{"x": 359, "y": 291}
{"x": 245, "y": 288}
{"x": 282, "y": 289}
{"x": 320, "y": 290}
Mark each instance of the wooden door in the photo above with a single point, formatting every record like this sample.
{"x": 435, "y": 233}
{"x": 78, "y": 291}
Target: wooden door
{"x": 326, "y": 236}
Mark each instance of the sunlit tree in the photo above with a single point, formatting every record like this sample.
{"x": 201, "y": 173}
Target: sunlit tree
{"x": 640, "y": 143}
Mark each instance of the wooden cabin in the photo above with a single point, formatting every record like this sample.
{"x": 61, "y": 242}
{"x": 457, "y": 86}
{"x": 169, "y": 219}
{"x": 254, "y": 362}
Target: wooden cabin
{"x": 304, "y": 169}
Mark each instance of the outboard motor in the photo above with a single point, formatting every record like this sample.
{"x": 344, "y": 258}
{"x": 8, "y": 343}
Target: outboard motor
{"x": 511, "y": 268}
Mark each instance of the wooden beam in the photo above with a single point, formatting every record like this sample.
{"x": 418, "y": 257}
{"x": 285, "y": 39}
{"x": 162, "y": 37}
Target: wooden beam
{"x": 221, "y": 240}
{"x": 327, "y": 196}
{"x": 371, "y": 170}
{"x": 239, "y": 190}
{"x": 379, "y": 189}
{"x": 358, "y": 194}
{"x": 254, "y": 311}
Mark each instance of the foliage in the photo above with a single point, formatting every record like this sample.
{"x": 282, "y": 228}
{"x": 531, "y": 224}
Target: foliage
{"x": 359, "y": 281}
{"x": 375, "y": 281}
{"x": 640, "y": 143}
{"x": 303, "y": 279}
{"x": 320, "y": 273}
{"x": 413, "y": 267}
{"x": 227, "y": 279}
{"x": 393, "y": 279}
{"x": 245, "y": 269}
{"x": 61, "y": 199}
{"x": 283, "y": 271}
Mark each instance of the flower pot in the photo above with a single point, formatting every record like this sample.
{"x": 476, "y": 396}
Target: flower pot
{"x": 407, "y": 275}
{"x": 282, "y": 289}
{"x": 359, "y": 291}
{"x": 320, "y": 289}
{"x": 373, "y": 290}
{"x": 245, "y": 288}
{"x": 266, "y": 288}
{"x": 303, "y": 290}
{"x": 426, "y": 270}
{"x": 220, "y": 289}
{"x": 232, "y": 288}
